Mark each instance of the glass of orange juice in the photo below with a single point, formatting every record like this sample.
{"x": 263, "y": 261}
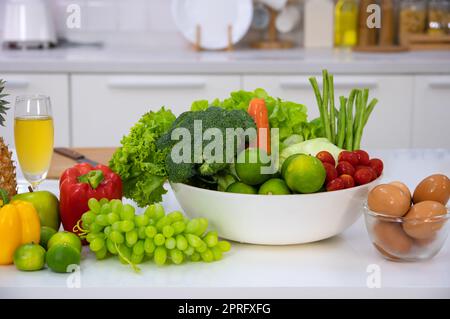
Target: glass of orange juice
{"x": 33, "y": 136}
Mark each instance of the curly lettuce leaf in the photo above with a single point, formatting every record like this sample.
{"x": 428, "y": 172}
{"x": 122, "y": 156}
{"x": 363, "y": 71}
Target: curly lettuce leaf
{"x": 140, "y": 164}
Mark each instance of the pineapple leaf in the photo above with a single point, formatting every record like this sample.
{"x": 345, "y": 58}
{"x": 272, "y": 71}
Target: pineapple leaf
{"x": 3, "y": 103}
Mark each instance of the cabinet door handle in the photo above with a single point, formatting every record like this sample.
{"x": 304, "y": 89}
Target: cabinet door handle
{"x": 155, "y": 83}
{"x": 439, "y": 84}
{"x": 17, "y": 83}
{"x": 338, "y": 84}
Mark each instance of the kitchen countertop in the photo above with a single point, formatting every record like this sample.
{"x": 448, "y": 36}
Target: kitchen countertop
{"x": 92, "y": 59}
{"x": 337, "y": 267}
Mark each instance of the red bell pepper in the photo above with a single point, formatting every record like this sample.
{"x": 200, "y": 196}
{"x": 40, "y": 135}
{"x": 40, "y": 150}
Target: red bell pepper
{"x": 81, "y": 182}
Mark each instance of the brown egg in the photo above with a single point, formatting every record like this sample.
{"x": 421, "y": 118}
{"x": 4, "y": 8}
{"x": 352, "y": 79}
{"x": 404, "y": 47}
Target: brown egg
{"x": 423, "y": 243}
{"x": 415, "y": 223}
{"x": 402, "y": 186}
{"x": 390, "y": 237}
{"x": 389, "y": 200}
{"x": 385, "y": 253}
{"x": 435, "y": 187}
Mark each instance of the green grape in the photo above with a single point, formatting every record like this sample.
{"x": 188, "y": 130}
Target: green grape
{"x": 95, "y": 228}
{"x": 88, "y": 218}
{"x": 224, "y": 246}
{"x": 152, "y": 222}
{"x": 111, "y": 246}
{"x": 107, "y": 231}
{"x": 192, "y": 226}
{"x": 182, "y": 243}
{"x": 112, "y": 218}
{"x": 141, "y": 220}
{"x": 138, "y": 248}
{"x": 116, "y": 237}
{"x": 194, "y": 240}
{"x": 102, "y": 253}
{"x": 167, "y": 231}
{"x": 202, "y": 226}
{"x": 124, "y": 251}
{"x": 163, "y": 221}
{"x": 141, "y": 232}
{"x": 126, "y": 225}
{"x": 127, "y": 212}
{"x": 196, "y": 257}
{"x": 117, "y": 226}
{"x": 103, "y": 201}
{"x": 106, "y": 209}
{"x": 217, "y": 253}
{"x": 189, "y": 251}
{"x": 97, "y": 244}
{"x": 116, "y": 206}
{"x": 159, "y": 239}
{"x": 176, "y": 256}
{"x": 202, "y": 248}
{"x": 149, "y": 246}
{"x": 94, "y": 205}
{"x": 131, "y": 237}
{"x": 150, "y": 231}
{"x": 91, "y": 236}
{"x": 160, "y": 255}
{"x": 175, "y": 216}
{"x": 170, "y": 243}
{"x": 159, "y": 211}
{"x": 211, "y": 239}
{"x": 102, "y": 220}
{"x": 207, "y": 256}
{"x": 178, "y": 227}
{"x": 136, "y": 259}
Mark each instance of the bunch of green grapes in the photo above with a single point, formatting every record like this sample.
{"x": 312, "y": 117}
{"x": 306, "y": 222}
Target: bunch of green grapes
{"x": 113, "y": 228}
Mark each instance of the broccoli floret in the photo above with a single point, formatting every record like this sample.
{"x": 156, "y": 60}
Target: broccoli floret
{"x": 213, "y": 117}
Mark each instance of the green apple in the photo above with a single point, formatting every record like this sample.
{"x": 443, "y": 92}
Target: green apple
{"x": 46, "y": 204}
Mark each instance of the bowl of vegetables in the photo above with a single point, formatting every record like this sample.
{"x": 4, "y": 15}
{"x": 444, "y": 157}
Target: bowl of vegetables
{"x": 317, "y": 177}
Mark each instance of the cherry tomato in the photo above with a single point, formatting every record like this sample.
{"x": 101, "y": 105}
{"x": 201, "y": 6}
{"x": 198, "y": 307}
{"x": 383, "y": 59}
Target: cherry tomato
{"x": 377, "y": 165}
{"x": 345, "y": 167}
{"x": 348, "y": 180}
{"x": 363, "y": 157}
{"x": 335, "y": 184}
{"x": 348, "y": 156}
{"x": 363, "y": 176}
{"x": 331, "y": 172}
{"x": 326, "y": 157}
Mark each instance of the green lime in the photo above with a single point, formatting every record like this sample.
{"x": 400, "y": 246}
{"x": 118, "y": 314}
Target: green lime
{"x": 61, "y": 256}
{"x": 274, "y": 186}
{"x": 241, "y": 188}
{"x": 29, "y": 257}
{"x": 304, "y": 174}
{"x": 286, "y": 162}
{"x": 248, "y": 166}
{"x": 46, "y": 234}
{"x": 65, "y": 237}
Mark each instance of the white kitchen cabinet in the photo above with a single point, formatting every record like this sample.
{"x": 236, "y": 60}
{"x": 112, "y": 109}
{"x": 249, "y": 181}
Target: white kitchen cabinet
{"x": 54, "y": 85}
{"x": 431, "y": 120}
{"x": 105, "y": 107}
{"x": 390, "y": 123}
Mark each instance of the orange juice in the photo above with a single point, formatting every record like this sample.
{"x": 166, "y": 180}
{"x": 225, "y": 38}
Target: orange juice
{"x": 34, "y": 144}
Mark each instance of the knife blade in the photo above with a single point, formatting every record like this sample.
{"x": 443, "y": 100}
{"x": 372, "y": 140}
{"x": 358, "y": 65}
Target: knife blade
{"x": 78, "y": 157}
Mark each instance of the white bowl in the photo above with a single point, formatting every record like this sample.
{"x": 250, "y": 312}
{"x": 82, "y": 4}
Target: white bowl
{"x": 276, "y": 219}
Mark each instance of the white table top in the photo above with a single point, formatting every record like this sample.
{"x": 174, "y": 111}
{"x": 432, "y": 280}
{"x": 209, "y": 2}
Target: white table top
{"x": 337, "y": 267}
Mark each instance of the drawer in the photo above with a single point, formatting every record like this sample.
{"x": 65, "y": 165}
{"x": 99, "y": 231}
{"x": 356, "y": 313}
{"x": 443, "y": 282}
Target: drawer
{"x": 390, "y": 123}
{"x": 54, "y": 85}
{"x": 105, "y": 107}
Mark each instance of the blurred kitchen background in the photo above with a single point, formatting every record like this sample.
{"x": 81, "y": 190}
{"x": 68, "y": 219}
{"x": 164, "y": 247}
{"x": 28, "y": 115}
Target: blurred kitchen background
{"x": 128, "y": 57}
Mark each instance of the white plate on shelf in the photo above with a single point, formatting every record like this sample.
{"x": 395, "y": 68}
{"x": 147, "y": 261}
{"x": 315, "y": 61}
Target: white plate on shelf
{"x": 213, "y": 17}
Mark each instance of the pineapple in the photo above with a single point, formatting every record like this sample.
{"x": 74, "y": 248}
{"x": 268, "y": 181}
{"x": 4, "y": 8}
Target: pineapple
{"x": 7, "y": 168}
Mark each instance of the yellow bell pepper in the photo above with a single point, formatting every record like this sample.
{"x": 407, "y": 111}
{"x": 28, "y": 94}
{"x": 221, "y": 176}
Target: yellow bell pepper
{"x": 19, "y": 224}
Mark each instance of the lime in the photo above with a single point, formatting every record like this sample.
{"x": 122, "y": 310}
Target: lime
{"x": 29, "y": 257}
{"x": 248, "y": 166}
{"x": 241, "y": 188}
{"x": 274, "y": 186}
{"x": 65, "y": 237}
{"x": 286, "y": 163}
{"x": 61, "y": 256}
{"x": 46, "y": 234}
{"x": 304, "y": 174}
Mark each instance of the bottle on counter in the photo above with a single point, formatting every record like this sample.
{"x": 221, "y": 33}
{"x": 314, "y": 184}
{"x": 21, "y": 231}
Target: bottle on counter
{"x": 346, "y": 23}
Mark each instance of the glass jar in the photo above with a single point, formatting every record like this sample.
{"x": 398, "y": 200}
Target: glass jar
{"x": 413, "y": 16}
{"x": 438, "y": 11}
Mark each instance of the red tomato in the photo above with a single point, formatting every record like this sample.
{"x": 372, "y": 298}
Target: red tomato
{"x": 345, "y": 167}
{"x": 326, "y": 157}
{"x": 348, "y": 156}
{"x": 374, "y": 174}
{"x": 349, "y": 182}
{"x": 363, "y": 176}
{"x": 335, "y": 184}
{"x": 363, "y": 157}
{"x": 331, "y": 172}
{"x": 377, "y": 165}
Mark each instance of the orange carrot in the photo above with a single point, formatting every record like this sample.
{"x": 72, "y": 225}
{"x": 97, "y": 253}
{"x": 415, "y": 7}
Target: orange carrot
{"x": 258, "y": 111}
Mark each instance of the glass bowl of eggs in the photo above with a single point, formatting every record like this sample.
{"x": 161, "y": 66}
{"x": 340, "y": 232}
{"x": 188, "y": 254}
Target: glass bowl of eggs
{"x": 409, "y": 228}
